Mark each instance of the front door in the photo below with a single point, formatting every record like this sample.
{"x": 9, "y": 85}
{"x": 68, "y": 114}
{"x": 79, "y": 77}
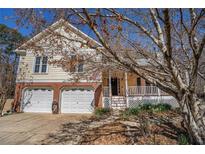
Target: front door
{"x": 114, "y": 85}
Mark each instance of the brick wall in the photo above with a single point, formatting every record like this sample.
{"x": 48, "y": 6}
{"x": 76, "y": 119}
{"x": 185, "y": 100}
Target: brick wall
{"x": 57, "y": 87}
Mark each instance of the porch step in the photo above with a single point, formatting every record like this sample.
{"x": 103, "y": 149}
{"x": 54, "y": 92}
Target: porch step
{"x": 119, "y": 102}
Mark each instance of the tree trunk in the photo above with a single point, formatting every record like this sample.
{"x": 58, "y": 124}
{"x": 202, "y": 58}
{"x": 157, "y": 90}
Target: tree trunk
{"x": 2, "y": 104}
{"x": 193, "y": 110}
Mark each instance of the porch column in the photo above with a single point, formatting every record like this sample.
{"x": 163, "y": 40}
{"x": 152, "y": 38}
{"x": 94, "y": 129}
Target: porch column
{"x": 126, "y": 90}
{"x": 110, "y": 86}
{"x": 159, "y": 94}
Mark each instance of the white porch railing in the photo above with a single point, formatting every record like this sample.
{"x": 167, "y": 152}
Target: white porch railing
{"x": 138, "y": 91}
{"x": 143, "y": 90}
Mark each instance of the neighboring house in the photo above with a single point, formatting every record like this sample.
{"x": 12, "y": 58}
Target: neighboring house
{"x": 43, "y": 87}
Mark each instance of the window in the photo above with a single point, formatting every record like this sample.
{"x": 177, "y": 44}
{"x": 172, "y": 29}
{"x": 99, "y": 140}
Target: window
{"x": 37, "y": 65}
{"x": 41, "y": 64}
{"x": 44, "y": 64}
{"x": 77, "y": 66}
{"x": 73, "y": 66}
{"x": 80, "y": 67}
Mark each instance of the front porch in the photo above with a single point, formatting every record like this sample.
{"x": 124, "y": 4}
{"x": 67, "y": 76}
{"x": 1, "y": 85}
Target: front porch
{"x": 124, "y": 90}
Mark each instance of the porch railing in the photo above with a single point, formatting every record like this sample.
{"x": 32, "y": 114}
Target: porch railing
{"x": 138, "y": 91}
{"x": 143, "y": 90}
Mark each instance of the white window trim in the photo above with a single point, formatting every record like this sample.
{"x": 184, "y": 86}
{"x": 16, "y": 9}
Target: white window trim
{"x": 40, "y": 68}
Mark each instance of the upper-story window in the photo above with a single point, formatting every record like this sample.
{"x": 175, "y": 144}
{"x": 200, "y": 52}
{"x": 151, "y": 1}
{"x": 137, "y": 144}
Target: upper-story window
{"x": 41, "y": 64}
{"x": 78, "y": 65}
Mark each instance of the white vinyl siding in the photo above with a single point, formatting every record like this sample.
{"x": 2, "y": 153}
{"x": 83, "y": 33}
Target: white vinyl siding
{"x": 26, "y": 64}
{"x": 54, "y": 73}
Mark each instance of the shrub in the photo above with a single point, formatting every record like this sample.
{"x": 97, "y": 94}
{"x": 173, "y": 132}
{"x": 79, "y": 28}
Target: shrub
{"x": 131, "y": 112}
{"x": 101, "y": 111}
{"x": 155, "y": 108}
{"x": 183, "y": 140}
{"x": 163, "y": 107}
{"x": 146, "y": 106}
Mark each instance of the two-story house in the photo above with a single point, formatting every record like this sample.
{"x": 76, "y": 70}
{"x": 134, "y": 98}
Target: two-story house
{"x": 44, "y": 87}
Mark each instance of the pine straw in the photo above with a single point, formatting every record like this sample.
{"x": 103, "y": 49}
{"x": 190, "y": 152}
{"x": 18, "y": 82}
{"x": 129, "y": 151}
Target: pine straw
{"x": 156, "y": 140}
{"x": 113, "y": 133}
{"x": 154, "y": 128}
{"x": 164, "y": 130}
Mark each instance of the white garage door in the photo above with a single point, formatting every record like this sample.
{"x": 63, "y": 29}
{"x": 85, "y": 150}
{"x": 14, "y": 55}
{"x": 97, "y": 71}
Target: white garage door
{"x": 77, "y": 101}
{"x": 37, "y": 100}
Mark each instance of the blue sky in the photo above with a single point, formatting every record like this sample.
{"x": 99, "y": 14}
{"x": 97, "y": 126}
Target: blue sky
{"x": 8, "y": 17}
{"x": 10, "y": 22}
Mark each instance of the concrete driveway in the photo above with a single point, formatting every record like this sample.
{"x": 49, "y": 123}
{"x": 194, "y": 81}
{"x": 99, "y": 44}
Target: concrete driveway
{"x": 32, "y": 128}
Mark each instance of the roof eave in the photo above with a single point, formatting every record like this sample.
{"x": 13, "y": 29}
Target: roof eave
{"x": 20, "y": 52}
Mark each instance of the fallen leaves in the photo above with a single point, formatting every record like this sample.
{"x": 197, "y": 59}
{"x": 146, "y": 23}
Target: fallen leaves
{"x": 161, "y": 128}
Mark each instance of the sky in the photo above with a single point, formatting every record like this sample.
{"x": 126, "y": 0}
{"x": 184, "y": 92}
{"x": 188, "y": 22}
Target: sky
{"x": 11, "y": 21}
{"x": 8, "y": 18}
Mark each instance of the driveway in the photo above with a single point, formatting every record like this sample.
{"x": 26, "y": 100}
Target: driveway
{"x": 32, "y": 128}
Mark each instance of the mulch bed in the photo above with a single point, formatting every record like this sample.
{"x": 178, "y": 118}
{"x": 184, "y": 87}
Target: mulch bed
{"x": 109, "y": 134}
{"x": 149, "y": 128}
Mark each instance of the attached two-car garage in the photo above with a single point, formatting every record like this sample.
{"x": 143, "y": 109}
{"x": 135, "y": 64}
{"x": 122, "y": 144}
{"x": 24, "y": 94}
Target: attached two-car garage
{"x": 72, "y": 100}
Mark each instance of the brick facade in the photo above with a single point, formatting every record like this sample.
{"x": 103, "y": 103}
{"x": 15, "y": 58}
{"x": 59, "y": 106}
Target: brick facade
{"x": 57, "y": 87}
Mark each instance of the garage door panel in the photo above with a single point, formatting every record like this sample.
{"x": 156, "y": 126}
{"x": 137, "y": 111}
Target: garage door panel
{"x": 37, "y": 100}
{"x": 77, "y": 101}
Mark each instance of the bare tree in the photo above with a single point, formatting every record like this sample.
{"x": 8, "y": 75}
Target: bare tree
{"x": 171, "y": 41}
{"x": 9, "y": 38}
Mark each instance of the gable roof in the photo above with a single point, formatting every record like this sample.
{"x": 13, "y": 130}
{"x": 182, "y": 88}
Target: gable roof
{"x": 53, "y": 27}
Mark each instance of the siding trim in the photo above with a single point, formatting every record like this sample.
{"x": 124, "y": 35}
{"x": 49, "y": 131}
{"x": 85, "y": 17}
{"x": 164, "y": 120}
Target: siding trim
{"x": 56, "y": 80}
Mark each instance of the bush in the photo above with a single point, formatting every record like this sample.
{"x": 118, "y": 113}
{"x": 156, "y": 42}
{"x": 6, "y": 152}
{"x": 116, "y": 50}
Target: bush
{"x": 133, "y": 111}
{"x": 183, "y": 140}
{"x": 130, "y": 112}
{"x": 101, "y": 111}
{"x": 161, "y": 107}
{"x": 146, "y": 107}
